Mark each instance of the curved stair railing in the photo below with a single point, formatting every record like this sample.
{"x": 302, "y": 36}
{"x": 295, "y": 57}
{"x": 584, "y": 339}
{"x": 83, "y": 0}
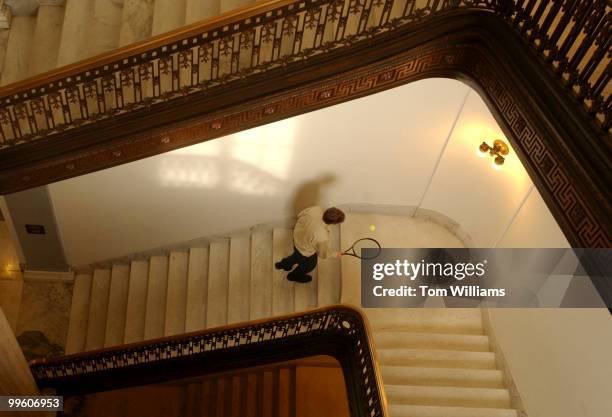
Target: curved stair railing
{"x": 571, "y": 37}
{"x": 338, "y": 331}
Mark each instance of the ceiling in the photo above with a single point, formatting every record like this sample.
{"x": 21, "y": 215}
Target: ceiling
{"x": 412, "y": 146}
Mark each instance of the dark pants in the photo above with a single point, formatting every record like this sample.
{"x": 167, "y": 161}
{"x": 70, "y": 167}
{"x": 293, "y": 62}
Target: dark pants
{"x": 305, "y": 264}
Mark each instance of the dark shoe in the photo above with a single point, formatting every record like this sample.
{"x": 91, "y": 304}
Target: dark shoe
{"x": 280, "y": 265}
{"x": 299, "y": 278}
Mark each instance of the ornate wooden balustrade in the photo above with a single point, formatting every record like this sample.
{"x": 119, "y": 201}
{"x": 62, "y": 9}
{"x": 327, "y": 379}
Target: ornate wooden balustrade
{"x": 571, "y": 37}
{"x": 338, "y": 331}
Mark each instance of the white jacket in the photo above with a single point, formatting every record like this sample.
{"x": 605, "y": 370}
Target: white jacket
{"x": 311, "y": 233}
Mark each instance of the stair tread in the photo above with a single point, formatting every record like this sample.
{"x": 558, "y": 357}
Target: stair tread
{"x": 137, "y": 302}
{"x": 328, "y": 272}
{"x": 239, "y": 285}
{"x": 427, "y": 320}
{"x": 402, "y": 410}
{"x": 156, "y": 297}
{"x": 454, "y": 396}
{"x": 442, "y": 341}
{"x": 261, "y": 275}
{"x": 437, "y": 358}
{"x": 117, "y": 305}
{"x": 176, "y": 297}
{"x": 98, "y": 309}
{"x": 282, "y": 289}
{"x": 197, "y": 289}
{"x": 79, "y": 310}
{"x": 407, "y": 375}
{"x": 218, "y": 270}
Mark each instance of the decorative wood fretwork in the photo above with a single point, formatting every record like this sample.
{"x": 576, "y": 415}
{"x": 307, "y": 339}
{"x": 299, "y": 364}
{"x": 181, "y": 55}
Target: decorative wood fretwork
{"x": 338, "y": 331}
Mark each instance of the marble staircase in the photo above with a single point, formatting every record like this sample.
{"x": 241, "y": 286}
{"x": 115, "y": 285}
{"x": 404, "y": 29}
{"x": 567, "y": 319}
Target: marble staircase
{"x": 438, "y": 363}
{"x": 228, "y": 281}
{"x": 435, "y": 362}
{"x": 62, "y": 32}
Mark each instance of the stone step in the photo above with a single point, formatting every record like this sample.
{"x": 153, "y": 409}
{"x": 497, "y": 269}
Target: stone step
{"x": 433, "y": 411}
{"x": 18, "y": 49}
{"x": 448, "y": 396}
{"x": 168, "y": 15}
{"x": 437, "y": 358}
{"x": 46, "y": 37}
{"x": 403, "y": 339}
{"x": 477, "y": 378}
{"x": 218, "y": 271}
{"x": 156, "y": 297}
{"x": 239, "y": 286}
{"x": 427, "y": 320}
{"x": 137, "y": 302}
{"x": 98, "y": 309}
{"x": 135, "y": 21}
{"x": 328, "y": 272}
{"x": 79, "y": 311}
{"x": 283, "y": 293}
{"x": 261, "y": 275}
{"x": 176, "y": 299}
{"x": 197, "y": 289}
{"x": 117, "y": 305}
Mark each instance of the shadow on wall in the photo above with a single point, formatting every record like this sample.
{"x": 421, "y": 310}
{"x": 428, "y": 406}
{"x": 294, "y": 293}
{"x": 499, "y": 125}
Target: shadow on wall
{"x": 310, "y": 193}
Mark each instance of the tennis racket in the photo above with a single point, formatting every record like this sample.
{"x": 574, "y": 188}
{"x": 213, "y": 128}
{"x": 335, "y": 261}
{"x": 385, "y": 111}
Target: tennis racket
{"x": 364, "y": 243}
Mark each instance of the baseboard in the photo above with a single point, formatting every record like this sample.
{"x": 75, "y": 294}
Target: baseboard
{"x": 502, "y": 364}
{"x": 48, "y": 276}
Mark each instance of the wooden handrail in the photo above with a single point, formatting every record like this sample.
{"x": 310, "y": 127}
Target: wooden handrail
{"x": 340, "y": 331}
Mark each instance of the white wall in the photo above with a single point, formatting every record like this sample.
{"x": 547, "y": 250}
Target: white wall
{"x": 533, "y": 227}
{"x": 559, "y": 358}
{"x": 467, "y": 189}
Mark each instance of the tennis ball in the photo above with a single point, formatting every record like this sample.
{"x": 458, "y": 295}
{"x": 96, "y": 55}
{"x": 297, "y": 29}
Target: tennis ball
{"x": 372, "y": 228}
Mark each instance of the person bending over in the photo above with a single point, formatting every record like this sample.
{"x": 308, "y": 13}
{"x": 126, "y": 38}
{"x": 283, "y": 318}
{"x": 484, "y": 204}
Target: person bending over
{"x": 310, "y": 240}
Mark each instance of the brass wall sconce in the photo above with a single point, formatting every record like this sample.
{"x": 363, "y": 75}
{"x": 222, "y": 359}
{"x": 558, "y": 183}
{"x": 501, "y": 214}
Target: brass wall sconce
{"x": 498, "y": 150}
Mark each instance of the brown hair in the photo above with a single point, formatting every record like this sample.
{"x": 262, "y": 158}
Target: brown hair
{"x": 333, "y": 215}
